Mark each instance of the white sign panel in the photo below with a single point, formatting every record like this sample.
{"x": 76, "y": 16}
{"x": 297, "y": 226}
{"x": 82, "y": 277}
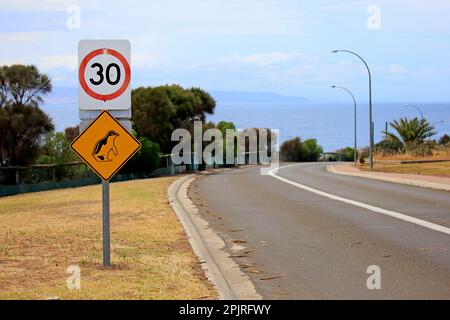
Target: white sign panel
{"x": 104, "y": 75}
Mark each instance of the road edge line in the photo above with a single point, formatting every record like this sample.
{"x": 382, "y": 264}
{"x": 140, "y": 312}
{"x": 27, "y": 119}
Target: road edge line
{"x": 423, "y": 184}
{"x": 393, "y": 214}
{"x": 224, "y": 273}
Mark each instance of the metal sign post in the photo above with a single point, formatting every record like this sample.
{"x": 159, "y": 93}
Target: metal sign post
{"x": 105, "y": 146}
{"x": 106, "y": 235}
{"x": 104, "y": 94}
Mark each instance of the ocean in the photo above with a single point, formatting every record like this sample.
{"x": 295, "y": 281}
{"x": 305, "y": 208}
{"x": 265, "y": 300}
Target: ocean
{"x": 330, "y": 123}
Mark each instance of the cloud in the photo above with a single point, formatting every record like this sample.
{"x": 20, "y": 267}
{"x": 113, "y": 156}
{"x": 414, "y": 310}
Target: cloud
{"x": 267, "y": 45}
{"x": 261, "y": 59}
{"x": 40, "y": 5}
{"x": 69, "y": 61}
{"x": 396, "y": 69}
{"x": 17, "y": 38}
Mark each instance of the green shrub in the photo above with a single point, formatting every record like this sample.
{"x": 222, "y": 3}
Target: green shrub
{"x": 347, "y": 154}
{"x": 311, "y": 150}
{"x": 444, "y": 140}
{"x": 146, "y": 159}
{"x": 296, "y": 150}
{"x": 56, "y": 150}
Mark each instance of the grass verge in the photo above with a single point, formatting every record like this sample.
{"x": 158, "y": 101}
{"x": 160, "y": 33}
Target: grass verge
{"x": 43, "y": 233}
{"x": 440, "y": 153}
{"x": 440, "y": 169}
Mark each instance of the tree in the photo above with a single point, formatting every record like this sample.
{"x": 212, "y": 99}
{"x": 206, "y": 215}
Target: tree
{"x": 21, "y": 130}
{"x": 223, "y": 126}
{"x": 152, "y": 115}
{"x": 445, "y": 139}
{"x": 71, "y": 133}
{"x": 147, "y": 159}
{"x": 205, "y": 103}
{"x": 56, "y": 149}
{"x": 190, "y": 105}
{"x": 160, "y": 110}
{"x": 21, "y": 85}
{"x": 296, "y": 150}
{"x": 348, "y": 153}
{"x": 22, "y": 123}
{"x": 311, "y": 150}
{"x": 410, "y": 132}
{"x": 292, "y": 149}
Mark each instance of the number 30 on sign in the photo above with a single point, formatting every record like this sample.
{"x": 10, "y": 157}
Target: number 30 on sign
{"x": 104, "y": 74}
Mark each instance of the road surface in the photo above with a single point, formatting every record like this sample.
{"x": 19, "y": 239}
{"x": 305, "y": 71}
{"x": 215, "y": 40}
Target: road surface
{"x": 296, "y": 244}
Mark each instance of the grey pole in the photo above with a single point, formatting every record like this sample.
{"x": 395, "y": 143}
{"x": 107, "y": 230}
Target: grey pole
{"x": 435, "y": 123}
{"x": 416, "y": 107}
{"x": 106, "y": 238}
{"x": 386, "y": 130}
{"x": 370, "y": 105}
{"x": 355, "y": 153}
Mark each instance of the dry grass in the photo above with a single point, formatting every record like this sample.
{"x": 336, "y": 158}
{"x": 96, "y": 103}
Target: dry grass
{"x": 43, "y": 233}
{"x": 441, "y": 153}
{"x": 440, "y": 169}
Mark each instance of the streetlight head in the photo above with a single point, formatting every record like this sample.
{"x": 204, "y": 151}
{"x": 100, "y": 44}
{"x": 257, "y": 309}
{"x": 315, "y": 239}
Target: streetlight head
{"x": 333, "y": 86}
{"x": 335, "y": 51}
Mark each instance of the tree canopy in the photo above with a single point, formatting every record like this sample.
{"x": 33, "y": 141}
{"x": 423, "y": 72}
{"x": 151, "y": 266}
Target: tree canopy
{"x": 21, "y": 130}
{"x": 157, "y": 111}
{"x": 297, "y": 150}
{"x": 413, "y": 131}
{"x": 22, "y": 123}
{"x": 21, "y": 85}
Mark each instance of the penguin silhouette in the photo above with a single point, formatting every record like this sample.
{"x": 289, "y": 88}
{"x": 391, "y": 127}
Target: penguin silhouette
{"x": 104, "y": 146}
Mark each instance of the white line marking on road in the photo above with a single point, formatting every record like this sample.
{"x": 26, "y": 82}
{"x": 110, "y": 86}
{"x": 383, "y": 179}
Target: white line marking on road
{"x": 397, "y": 215}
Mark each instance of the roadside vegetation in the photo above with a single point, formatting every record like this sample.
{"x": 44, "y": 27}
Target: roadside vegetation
{"x": 150, "y": 254}
{"x": 300, "y": 151}
{"x": 31, "y": 151}
{"x": 439, "y": 169}
{"x": 151, "y": 257}
{"x": 29, "y": 142}
{"x": 411, "y": 140}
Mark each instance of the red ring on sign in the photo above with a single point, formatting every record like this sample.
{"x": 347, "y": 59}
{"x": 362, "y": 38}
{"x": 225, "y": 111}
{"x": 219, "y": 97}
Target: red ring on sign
{"x": 91, "y": 92}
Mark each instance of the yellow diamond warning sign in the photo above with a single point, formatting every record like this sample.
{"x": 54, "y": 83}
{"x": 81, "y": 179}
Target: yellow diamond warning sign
{"x": 105, "y": 145}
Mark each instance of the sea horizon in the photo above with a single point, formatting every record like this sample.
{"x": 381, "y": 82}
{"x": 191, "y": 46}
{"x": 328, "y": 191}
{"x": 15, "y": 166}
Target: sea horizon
{"x": 331, "y": 123}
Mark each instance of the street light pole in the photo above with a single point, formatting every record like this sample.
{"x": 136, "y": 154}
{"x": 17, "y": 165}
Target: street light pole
{"x": 370, "y": 104}
{"x": 355, "y": 152}
{"x": 435, "y": 123}
{"x": 416, "y": 107}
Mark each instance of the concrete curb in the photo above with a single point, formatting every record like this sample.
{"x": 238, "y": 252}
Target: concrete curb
{"x": 221, "y": 270}
{"x": 417, "y": 183}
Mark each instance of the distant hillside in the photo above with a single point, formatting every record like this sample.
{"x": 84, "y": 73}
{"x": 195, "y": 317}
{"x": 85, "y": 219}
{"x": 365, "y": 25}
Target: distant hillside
{"x": 235, "y": 97}
{"x": 69, "y": 95}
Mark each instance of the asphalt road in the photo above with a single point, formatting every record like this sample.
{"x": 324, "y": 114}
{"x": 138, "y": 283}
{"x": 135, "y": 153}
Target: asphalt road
{"x": 296, "y": 244}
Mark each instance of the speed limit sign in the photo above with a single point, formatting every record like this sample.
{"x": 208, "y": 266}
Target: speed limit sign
{"x": 104, "y": 75}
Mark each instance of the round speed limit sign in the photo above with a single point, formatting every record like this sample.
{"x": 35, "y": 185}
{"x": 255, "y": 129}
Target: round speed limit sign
{"x": 104, "y": 74}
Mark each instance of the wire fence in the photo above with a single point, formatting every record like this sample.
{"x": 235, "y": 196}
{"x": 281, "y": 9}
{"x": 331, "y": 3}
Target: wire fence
{"x": 17, "y": 179}
{"x": 44, "y": 173}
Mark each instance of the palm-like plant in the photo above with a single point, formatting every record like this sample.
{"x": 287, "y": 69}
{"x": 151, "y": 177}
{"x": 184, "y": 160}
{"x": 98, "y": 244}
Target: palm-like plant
{"x": 410, "y": 132}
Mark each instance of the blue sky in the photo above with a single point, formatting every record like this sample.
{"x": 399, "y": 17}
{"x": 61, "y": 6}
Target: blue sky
{"x": 253, "y": 45}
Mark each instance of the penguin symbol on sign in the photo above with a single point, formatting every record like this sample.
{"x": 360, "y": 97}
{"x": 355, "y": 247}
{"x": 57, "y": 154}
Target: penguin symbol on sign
{"x": 105, "y": 146}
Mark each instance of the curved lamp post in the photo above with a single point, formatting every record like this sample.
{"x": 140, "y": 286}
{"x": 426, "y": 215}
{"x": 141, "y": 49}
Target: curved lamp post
{"x": 370, "y": 104}
{"x": 442, "y": 121}
{"x": 416, "y": 107}
{"x": 355, "y": 152}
